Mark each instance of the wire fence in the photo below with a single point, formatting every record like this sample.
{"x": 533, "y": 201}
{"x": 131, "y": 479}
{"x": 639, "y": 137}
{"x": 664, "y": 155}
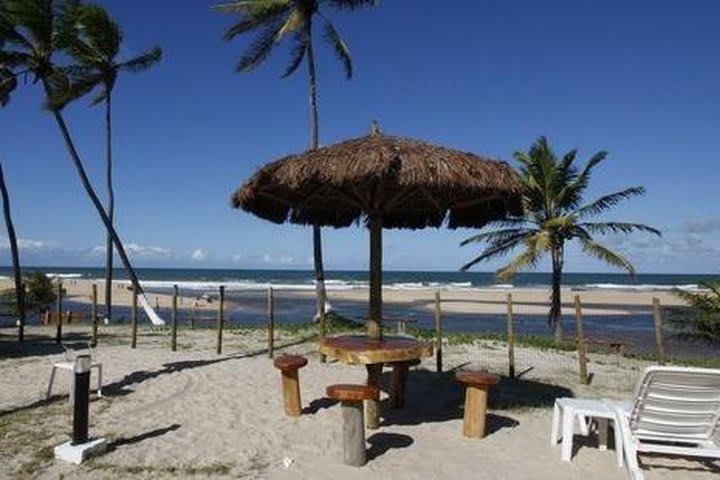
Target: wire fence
{"x": 501, "y": 333}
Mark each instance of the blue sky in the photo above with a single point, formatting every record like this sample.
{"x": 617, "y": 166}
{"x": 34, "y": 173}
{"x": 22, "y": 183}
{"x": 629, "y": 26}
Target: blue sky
{"x": 639, "y": 79}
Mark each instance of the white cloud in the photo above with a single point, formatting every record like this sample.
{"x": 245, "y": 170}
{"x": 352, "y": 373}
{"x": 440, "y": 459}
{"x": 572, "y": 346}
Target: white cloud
{"x": 27, "y": 244}
{"x": 702, "y": 225}
{"x": 136, "y": 250}
{"x": 282, "y": 260}
{"x": 198, "y": 255}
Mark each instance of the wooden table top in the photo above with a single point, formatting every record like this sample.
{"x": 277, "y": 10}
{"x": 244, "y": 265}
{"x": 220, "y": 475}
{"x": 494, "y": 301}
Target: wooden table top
{"x": 360, "y": 349}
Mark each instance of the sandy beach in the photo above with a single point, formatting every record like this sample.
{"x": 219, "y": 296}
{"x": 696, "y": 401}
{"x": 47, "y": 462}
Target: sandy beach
{"x": 469, "y": 301}
{"x": 194, "y": 413}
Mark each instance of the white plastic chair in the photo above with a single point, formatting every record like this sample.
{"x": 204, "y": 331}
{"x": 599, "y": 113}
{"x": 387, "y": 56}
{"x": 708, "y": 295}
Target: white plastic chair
{"x": 675, "y": 412}
{"x": 583, "y": 413}
{"x": 68, "y": 364}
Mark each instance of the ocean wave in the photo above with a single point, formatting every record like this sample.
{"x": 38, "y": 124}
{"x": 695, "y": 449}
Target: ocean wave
{"x": 64, "y": 275}
{"x": 330, "y": 285}
{"x": 648, "y": 287}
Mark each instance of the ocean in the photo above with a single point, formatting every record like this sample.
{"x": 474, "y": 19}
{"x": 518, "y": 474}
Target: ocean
{"x": 208, "y": 280}
{"x": 247, "y": 288}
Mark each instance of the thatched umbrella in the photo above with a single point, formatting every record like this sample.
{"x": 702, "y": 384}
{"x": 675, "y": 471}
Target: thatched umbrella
{"x": 383, "y": 182}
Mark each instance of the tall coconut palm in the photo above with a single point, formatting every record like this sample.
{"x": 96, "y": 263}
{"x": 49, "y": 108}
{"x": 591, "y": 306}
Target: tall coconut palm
{"x": 95, "y": 48}
{"x": 33, "y": 32}
{"x": 275, "y": 21}
{"x": 555, "y": 215}
{"x": 8, "y": 83}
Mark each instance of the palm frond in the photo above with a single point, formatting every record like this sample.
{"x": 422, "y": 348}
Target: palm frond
{"x": 301, "y": 43}
{"x": 496, "y": 250}
{"x": 254, "y": 15}
{"x": 339, "y": 47}
{"x": 603, "y": 228}
{"x": 8, "y": 83}
{"x": 606, "y": 255}
{"x": 142, "y": 62}
{"x": 499, "y": 236}
{"x": 296, "y": 20}
{"x": 353, "y": 4}
{"x": 607, "y": 201}
{"x": 251, "y": 7}
{"x": 527, "y": 259}
{"x": 261, "y": 48}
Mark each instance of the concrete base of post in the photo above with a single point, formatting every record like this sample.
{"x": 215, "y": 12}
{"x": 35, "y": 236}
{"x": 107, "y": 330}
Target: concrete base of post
{"x": 79, "y": 453}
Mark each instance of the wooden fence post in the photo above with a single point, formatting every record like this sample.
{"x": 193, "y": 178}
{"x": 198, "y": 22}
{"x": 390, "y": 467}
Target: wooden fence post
{"x": 221, "y": 320}
{"x": 173, "y": 340}
{"x": 271, "y": 323}
{"x": 511, "y": 336}
{"x": 134, "y": 319}
{"x": 21, "y": 308}
{"x": 58, "y": 321}
{"x": 323, "y": 327}
{"x": 93, "y": 342}
{"x": 438, "y": 334}
{"x": 323, "y": 332}
{"x": 582, "y": 353}
{"x": 659, "y": 334}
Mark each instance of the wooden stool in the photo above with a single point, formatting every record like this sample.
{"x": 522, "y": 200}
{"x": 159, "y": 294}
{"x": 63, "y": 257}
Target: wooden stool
{"x": 289, "y": 366}
{"x": 399, "y": 380}
{"x": 351, "y": 400}
{"x": 477, "y": 385}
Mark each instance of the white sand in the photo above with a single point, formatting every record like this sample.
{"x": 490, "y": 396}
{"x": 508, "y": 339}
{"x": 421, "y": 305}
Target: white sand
{"x": 193, "y": 412}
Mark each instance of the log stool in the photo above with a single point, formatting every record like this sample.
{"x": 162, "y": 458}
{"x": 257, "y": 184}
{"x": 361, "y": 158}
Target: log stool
{"x": 399, "y": 380}
{"x": 289, "y": 366}
{"x": 476, "y": 390}
{"x": 351, "y": 404}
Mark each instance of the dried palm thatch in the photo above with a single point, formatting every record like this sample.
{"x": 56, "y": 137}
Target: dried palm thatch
{"x": 408, "y": 183}
{"x": 385, "y": 182}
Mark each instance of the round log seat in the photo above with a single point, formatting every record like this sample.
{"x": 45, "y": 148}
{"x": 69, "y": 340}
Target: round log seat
{"x": 470, "y": 377}
{"x": 290, "y": 362}
{"x": 476, "y": 392}
{"x": 351, "y": 392}
{"x": 351, "y": 398}
{"x": 289, "y": 366}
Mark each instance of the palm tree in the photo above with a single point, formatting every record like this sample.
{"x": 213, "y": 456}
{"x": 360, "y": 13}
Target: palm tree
{"x": 700, "y": 320}
{"x": 554, "y": 215}
{"x": 275, "y": 21}
{"x": 8, "y": 83}
{"x": 94, "y": 49}
{"x": 32, "y": 32}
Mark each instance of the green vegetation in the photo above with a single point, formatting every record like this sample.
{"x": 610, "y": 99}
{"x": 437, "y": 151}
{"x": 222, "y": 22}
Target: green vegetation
{"x": 555, "y": 215}
{"x": 701, "y": 319}
{"x": 41, "y": 293}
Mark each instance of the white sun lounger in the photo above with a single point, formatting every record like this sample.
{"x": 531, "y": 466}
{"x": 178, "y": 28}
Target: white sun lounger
{"x": 675, "y": 412}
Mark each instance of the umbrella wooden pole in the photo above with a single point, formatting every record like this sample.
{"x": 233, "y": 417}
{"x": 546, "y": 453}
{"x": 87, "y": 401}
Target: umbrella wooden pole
{"x": 374, "y": 325}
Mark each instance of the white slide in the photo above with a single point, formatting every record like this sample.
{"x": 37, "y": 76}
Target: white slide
{"x": 152, "y": 315}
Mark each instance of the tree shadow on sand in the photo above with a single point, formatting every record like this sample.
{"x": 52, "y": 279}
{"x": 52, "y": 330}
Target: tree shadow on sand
{"x": 122, "y": 441}
{"x": 39, "y": 346}
{"x": 120, "y": 387}
{"x": 438, "y": 397}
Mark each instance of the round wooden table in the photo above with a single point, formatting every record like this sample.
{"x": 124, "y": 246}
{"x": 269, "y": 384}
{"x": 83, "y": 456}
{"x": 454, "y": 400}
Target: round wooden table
{"x": 362, "y": 350}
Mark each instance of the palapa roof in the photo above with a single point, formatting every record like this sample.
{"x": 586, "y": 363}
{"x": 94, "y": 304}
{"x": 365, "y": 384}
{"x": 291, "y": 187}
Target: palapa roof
{"x": 411, "y": 184}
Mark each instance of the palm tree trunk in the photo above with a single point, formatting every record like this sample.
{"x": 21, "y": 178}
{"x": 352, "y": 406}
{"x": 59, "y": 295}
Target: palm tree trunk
{"x": 96, "y": 202}
{"x": 555, "y": 319}
{"x": 320, "y": 291}
{"x": 12, "y": 238}
{"x": 110, "y": 208}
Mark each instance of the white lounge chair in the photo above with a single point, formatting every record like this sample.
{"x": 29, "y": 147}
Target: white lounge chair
{"x": 675, "y": 412}
{"x": 68, "y": 364}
